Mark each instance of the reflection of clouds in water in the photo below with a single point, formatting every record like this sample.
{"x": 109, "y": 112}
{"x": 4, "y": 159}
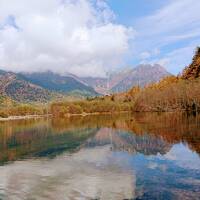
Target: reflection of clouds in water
{"x": 90, "y": 173}
{"x": 184, "y": 157}
{"x": 191, "y": 180}
{"x": 153, "y": 165}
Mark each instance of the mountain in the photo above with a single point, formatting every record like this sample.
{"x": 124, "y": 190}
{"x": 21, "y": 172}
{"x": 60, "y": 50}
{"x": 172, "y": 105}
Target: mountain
{"x": 140, "y": 75}
{"x": 27, "y": 87}
{"x": 117, "y": 77}
{"x": 99, "y": 84}
{"x": 18, "y": 89}
{"x": 41, "y": 87}
{"x": 66, "y": 84}
{"x": 193, "y": 70}
{"x": 104, "y": 85}
{"x": 124, "y": 80}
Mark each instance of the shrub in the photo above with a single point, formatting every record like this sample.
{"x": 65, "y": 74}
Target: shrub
{"x": 4, "y": 114}
{"x": 91, "y": 106}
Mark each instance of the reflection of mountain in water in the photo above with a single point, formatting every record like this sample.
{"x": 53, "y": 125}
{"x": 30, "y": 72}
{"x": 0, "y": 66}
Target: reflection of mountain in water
{"x": 87, "y": 160}
{"x": 123, "y": 141}
{"x": 148, "y": 134}
{"x": 172, "y": 128}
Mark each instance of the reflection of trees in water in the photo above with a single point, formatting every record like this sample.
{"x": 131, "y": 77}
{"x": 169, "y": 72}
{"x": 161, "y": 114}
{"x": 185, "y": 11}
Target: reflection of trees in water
{"x": 38, "y": 138}
{"x": 172, "y": 128}
{"x": 153, "y": 133}
{"x": 132, "y": 143}
{"x": 144, "y": 144}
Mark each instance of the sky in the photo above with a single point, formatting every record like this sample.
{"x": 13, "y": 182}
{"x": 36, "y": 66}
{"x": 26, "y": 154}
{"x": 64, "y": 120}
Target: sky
{"x": 93, "y": 37}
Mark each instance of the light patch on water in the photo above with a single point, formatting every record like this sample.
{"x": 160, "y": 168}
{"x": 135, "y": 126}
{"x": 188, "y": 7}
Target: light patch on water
{"x": 183, "y": 157}
{"x": 88, "y": 174}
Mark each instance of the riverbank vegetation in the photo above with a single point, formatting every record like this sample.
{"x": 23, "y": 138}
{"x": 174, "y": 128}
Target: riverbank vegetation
{"x": 92, "y": 106}
{"x": 176, "y": 95}
{"x": 173, "y": 93}
{"x": 9, "y": 107}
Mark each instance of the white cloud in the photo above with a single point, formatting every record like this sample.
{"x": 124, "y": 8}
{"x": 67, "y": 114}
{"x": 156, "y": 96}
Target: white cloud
{"x": 177, "y": 17}
{"x": 190, "y": 160}
{"x": 145, "y": 55}
{"x": 77, "y": 36}
{"x": 173, "y": 30}
{"x": 177, "y": 59}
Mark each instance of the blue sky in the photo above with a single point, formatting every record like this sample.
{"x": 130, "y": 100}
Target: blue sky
{"x": 92, "y": 37}
{"x": 128, "y": 11}
{"x": 170, "y": 45}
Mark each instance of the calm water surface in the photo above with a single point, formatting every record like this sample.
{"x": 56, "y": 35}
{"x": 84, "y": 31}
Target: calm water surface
{"x": 141, "y": 156}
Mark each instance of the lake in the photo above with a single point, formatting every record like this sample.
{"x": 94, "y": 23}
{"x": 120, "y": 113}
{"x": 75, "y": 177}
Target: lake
{"x": 126, "y": 156}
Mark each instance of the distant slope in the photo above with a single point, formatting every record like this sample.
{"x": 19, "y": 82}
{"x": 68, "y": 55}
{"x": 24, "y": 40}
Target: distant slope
{"x": 141, "y": 75}
{"x": 58, "y": 83}
{"x": 99, "y": 84}
{"x": 18, "y": 89}
{"x": 125, "y": 79}
{"x": 104, "y": 85}
{"x": 118, "y": 76}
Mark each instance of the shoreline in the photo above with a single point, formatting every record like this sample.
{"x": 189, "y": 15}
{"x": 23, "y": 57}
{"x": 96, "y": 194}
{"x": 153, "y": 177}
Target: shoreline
{"x": 12, "y": 118}
{"x": 96, "y": 113}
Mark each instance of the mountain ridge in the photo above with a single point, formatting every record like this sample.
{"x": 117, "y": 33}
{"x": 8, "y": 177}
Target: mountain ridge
{"x": 122, "y": 81}
{"x": 65, "y": 84}
{"x": 42, "y": 86}
{"x": 25, "y": 88}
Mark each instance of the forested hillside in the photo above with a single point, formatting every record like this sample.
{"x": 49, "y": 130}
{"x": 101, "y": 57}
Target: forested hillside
{"x": 193, "y": 70}
{"x": 172, "y": 93}
{"x": 18, "y": 89}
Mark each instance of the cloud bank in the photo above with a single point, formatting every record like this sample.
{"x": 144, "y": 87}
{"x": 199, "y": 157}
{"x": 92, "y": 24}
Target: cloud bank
{"x": 76, "y": 36}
